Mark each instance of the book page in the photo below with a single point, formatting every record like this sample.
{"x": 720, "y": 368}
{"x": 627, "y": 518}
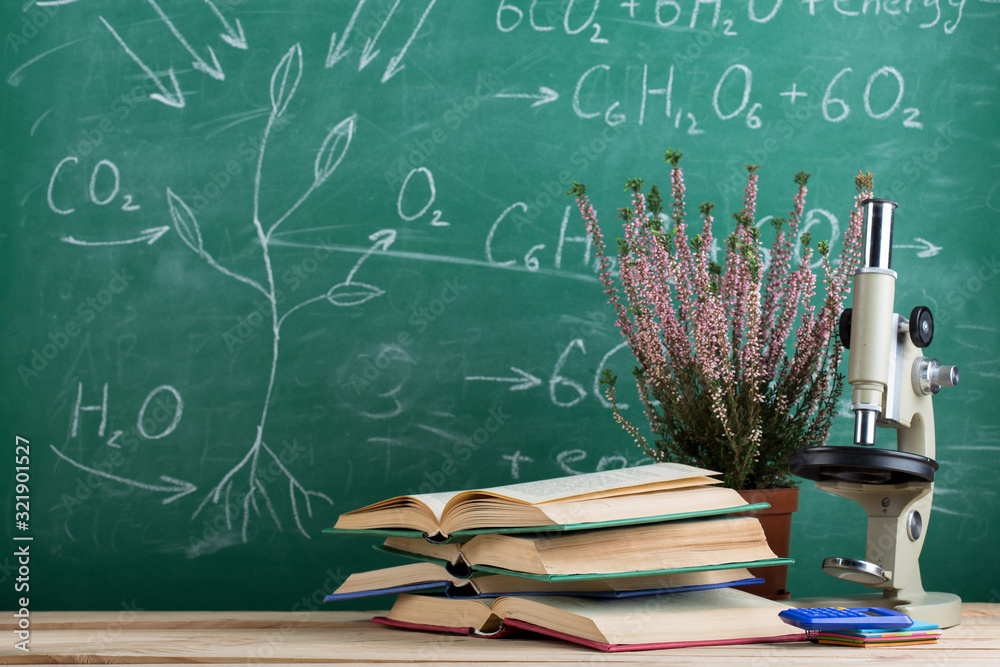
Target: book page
{"x": 420, "y": 512}
{"x": 714, "y": 600}
{"x": 389, "y": 577}
{"x": 595, "y": 484}
{"x": 421, "y": 547}
{"x": 424, "y": 610}
{"x": 436, "y": 502}
{"x": 716, "y": 614}
{"x": 634, "y": 506}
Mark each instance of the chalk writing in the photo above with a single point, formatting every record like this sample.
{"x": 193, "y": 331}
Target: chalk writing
{"x": 369, "y": 53}
{"x": 102, "y": 199}
{"x": 350, "y": 292}
{"x": 170, "y": 96}
{"x": 432, "y": 139}
{"x": 732, "y": 98}
{"x": 338, "y": 43}
{"x": 569, "y": 458}
{"x": 410, "y": 217}
{"x": 521, "y": 381}
{"x": 690, "y": 15}
{"x": 233, "y": 35}
{"x": 284, "y": 83}
{"x": 178, "y": 488}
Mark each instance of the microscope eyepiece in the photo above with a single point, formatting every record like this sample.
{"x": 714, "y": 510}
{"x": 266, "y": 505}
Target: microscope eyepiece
{"x": 878, "y": 218}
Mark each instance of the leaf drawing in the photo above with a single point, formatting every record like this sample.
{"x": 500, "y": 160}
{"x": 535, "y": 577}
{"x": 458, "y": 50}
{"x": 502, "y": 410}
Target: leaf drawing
{"x": 184, "y": 222}
{"x": 352, "y": 294}
{"x": 282, "y": 90}
{"x": 331, "y": 153}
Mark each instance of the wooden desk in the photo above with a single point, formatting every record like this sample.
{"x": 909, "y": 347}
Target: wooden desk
{"x": 347, "y": 637}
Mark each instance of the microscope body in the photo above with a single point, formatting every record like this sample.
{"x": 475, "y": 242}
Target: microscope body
{"x": 892, "y": 385}
{"x": 898, "y": 509}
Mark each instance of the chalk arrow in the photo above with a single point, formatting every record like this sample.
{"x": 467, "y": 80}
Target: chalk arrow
{"x": 524, "y": 381}
{"x": 543, "y": 96}
{"x": 350, "y": 293}
{"x": 233, "y": 37}
{"x": 394, "y": 67}
{"x": 179, "y": 488}
{"x": 383, "y": 239}
{"x": 214, "y": 70}
{"x": 926, "y": 248}
{"x": 150, "y": 236}
{"x": 337, "y": 48}
{"x": 369, "y": 53}
{"x": 171, "y": 98}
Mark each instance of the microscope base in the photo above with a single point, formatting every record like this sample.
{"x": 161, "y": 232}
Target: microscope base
{"x": 944, "y": 609}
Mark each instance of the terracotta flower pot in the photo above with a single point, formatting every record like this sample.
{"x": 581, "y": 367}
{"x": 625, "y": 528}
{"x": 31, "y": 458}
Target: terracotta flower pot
{"x": 777, "y": 524}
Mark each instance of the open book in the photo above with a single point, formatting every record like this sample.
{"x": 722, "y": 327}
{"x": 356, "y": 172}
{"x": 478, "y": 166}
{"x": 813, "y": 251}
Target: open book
{"x": 715, "y": 543}
{"x": 432, "y": 576}
{"x": 718, "y": 616}
{"x": 613, "y": 497}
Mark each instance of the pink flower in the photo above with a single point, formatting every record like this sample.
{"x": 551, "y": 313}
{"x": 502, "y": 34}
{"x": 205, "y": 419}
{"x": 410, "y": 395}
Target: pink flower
{"x": 714, "y": 374}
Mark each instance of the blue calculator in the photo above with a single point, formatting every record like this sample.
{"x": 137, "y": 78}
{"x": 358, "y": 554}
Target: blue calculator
{"x": 829, "y": 619}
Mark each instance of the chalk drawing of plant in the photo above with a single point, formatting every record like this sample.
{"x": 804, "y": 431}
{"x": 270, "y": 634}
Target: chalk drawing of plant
{"x": 284, "y": 83}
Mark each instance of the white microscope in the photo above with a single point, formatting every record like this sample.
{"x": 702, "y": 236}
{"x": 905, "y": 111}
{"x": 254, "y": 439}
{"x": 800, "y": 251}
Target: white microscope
{"x": 892, "y": 385}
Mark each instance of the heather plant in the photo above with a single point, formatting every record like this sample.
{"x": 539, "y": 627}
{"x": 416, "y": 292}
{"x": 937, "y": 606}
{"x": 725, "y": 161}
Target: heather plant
{"x": 737, "y": 362}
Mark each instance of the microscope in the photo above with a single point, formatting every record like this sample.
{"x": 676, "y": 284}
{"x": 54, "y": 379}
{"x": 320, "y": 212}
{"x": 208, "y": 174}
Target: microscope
{"x": 892, "y": 385}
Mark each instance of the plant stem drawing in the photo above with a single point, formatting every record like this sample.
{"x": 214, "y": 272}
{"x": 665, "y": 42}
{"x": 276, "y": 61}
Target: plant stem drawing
{"x": 284, "y": 83}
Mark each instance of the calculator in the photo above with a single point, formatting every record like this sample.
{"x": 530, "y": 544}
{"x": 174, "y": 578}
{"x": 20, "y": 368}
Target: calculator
{"x": 828, "y": 619}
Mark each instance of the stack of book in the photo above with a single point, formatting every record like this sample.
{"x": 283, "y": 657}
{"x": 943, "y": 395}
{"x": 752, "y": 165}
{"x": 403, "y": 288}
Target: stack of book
{"x": 638, "y": 558}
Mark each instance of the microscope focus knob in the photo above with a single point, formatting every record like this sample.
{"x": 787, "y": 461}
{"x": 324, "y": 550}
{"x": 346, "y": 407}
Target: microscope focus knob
{"x": 921, "y": 326}
{"x": 844, "y": 327}
{"x": 929, "y": 376}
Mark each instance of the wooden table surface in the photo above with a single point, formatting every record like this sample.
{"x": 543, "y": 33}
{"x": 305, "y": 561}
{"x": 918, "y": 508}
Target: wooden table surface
{"x": 348, "y": 637}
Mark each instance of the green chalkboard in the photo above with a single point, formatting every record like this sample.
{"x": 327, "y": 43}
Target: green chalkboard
{"x": 264, "y": 262}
